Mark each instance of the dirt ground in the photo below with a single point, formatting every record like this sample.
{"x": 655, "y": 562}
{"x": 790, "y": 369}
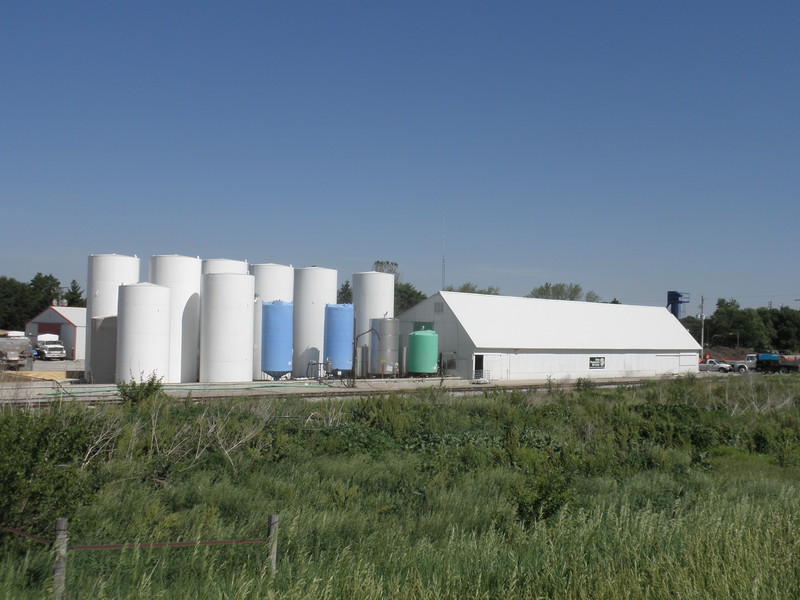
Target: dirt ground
{"x": 728, "y": 353}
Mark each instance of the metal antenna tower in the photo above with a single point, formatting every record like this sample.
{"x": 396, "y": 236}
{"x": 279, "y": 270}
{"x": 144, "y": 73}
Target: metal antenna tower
{"x": 443, "y": 267}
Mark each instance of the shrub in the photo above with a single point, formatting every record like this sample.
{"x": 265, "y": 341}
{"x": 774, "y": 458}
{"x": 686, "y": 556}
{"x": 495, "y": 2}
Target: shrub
{"x": 44, "y": 466}
{"x": 360, "y": 439}
{"x": 787, "y": 453}
{"x": 343, "y": 493}
{"x": 390, "y": 414}
{"x": 541, "y": 495}
{"x": 135, "y": 392}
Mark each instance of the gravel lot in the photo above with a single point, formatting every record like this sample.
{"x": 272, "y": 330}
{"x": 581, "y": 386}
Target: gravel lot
{"x": 58, "y": 365}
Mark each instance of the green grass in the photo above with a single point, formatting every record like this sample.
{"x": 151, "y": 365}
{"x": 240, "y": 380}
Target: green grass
{"x": 687, "y": 488}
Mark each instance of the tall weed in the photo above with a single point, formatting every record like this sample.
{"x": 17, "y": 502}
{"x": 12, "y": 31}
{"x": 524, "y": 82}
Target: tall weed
{"x": 656, "y": 490}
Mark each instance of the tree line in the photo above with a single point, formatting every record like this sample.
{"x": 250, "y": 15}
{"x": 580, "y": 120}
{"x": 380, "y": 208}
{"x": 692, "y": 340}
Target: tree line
{"x": 729, "y": 325}
{"x": 757, "y": 328}
{"x": 20, "y": 301}
{"x": 406, "y": 295}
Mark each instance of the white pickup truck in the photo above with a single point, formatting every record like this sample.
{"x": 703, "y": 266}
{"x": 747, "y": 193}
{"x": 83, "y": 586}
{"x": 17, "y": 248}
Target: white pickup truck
{"x": 748, "y": 364}
{"x": 51, "y": 349}
{"x": 714, "y": 365}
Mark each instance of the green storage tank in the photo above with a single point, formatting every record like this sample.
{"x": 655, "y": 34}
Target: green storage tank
{"x": 423, "y": 352}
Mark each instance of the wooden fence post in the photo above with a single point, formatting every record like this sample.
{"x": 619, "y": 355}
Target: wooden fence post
{"x": 272, "y": 536}
{"x": 60, "y": 569}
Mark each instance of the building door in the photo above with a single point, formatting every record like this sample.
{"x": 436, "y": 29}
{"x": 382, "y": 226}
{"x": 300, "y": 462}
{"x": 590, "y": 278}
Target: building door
{"x": 51, "y": 328}
{"x": 478, "y": 371}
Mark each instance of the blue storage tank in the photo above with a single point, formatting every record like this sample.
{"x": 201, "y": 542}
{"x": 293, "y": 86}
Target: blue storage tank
{"x": 276, "y": 338}
{"x": 338, "y": 344}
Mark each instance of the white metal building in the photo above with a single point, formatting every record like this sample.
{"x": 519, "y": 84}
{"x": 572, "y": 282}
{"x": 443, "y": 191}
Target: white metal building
{"x": 512, "y": 338}
{"x": 67, "y": 322}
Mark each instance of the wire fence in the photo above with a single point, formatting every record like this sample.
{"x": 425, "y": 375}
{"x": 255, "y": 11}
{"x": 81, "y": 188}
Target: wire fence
{"x": 168, "y": 544}
{"x": 24, "y": 534}
{"x": 61, "y": 548}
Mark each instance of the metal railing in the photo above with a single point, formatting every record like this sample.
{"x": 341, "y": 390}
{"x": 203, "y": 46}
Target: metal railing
{"x": 481, "y": 376}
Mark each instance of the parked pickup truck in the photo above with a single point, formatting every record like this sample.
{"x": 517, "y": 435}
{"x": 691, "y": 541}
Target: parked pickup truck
{"x": 51, "y": 350}
{"x": 748, "y": 364}
{"x": 772, "y": 362}
{"x": 710, "y": 364}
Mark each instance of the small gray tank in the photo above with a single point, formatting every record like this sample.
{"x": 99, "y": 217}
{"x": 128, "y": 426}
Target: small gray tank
{"x": 384, "y": 346}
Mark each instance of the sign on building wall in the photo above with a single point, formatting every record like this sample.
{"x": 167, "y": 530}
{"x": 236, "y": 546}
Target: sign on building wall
{"x": 597, "y": 362}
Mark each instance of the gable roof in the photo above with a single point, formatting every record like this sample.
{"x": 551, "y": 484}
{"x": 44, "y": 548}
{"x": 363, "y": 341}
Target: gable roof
{"x": 75, "y": 315}
{"x": 532, "y": 323}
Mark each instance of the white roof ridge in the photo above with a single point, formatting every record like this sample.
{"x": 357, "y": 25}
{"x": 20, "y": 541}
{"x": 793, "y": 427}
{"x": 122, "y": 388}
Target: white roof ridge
{"x": 535, "y": 323}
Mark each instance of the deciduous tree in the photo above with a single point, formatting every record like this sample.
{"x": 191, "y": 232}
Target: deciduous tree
{"x": 43, "y": 290}
{"x": 752, "y": 328}
{"x": 405, "y": 297}
{"x": 562, "y": 291}
{"x": 471, "y": 288}
{"x": 387, "y": 266}
{"x": 14, "y": 303}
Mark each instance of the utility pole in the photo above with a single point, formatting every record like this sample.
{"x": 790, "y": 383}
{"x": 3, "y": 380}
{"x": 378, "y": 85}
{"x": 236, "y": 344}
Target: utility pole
{"x": 702, "y": 325}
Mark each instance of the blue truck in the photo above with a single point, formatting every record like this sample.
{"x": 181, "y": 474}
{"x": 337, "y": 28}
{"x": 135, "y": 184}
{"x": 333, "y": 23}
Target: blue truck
{"x": 772, "y": 362}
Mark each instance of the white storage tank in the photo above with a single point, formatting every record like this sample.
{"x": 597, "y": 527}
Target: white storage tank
{"x": 224, "y": 265}
{"x": 314, "y": 287}
{"x": 373, "y": 298}
{"x": 143, "y": 331}
{"x": 106, "y": 273}
{"x": 226, "y": 327}
{"x": 272, "y": 283}
{"x": 182, "y": 275}
{"x": 104, "y": 359}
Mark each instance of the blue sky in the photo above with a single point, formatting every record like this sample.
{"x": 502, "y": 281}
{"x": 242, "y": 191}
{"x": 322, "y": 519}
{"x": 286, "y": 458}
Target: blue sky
{"x": 629, "y": 147}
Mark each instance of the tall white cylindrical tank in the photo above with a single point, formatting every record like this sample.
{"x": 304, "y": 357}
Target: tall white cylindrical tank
{"x": 314, "y": 287}
{"x": 104, "y": 358}
{"x": 182, "y": 275}
{"x": 226, "y": 327}
{"x": 273, "y": 283}
{"x": 143, "y": 328}
{"x": 373, "y": 298}
{"x": 225, "y": 265}
{"x": 106, "y": 273}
